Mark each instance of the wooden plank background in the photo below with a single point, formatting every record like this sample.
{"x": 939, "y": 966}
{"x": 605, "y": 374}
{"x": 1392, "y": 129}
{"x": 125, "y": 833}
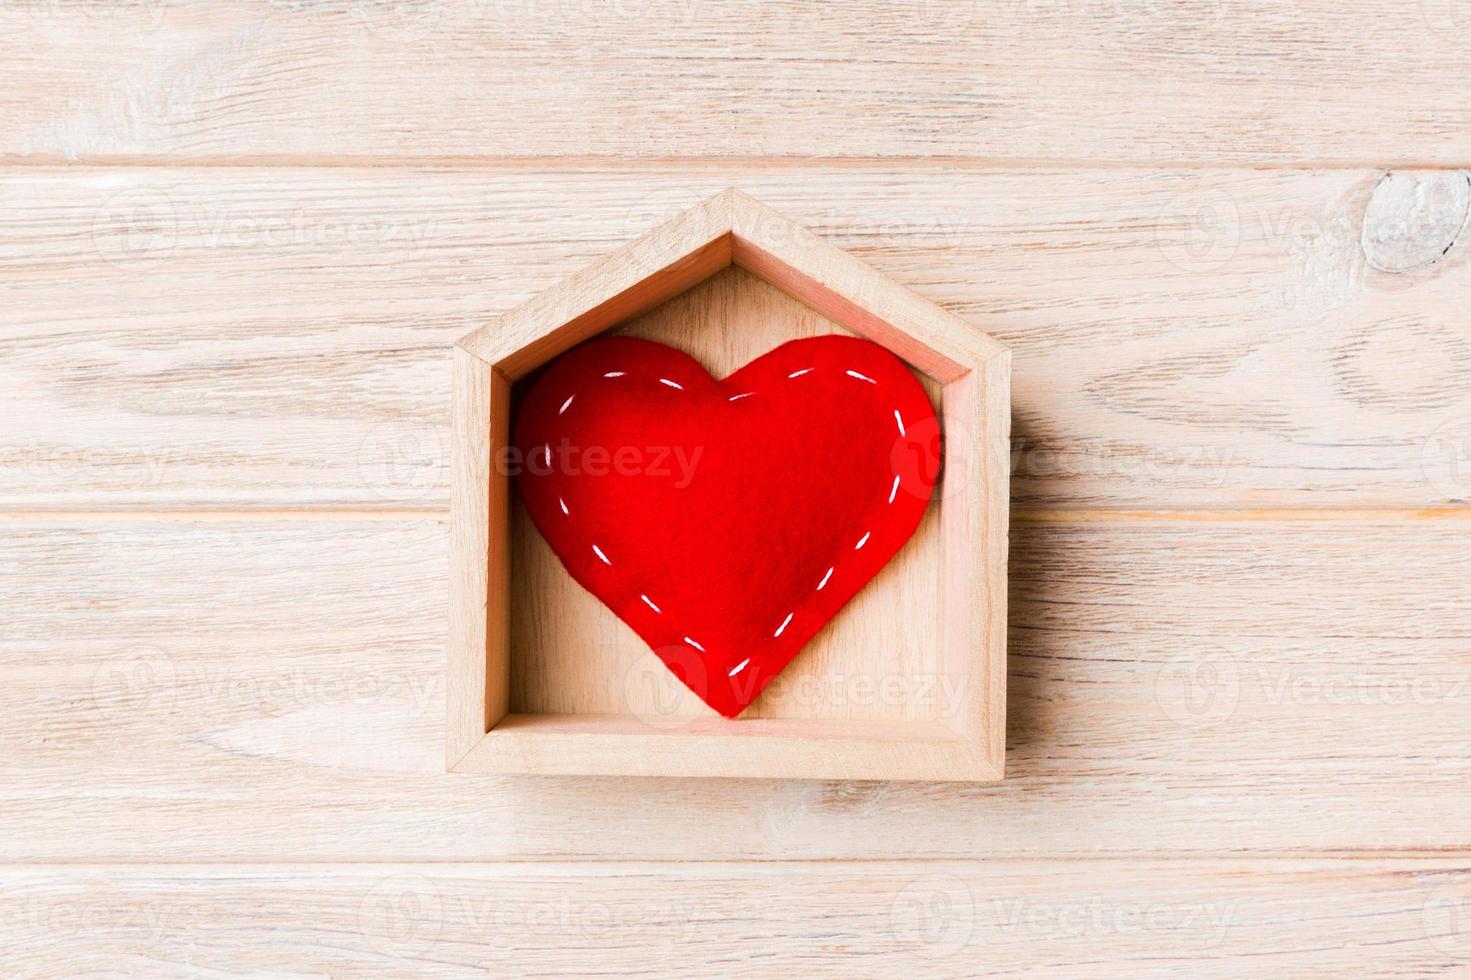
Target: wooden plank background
{"x": 236, "y": 240}
{"x": 1109, "y": 81}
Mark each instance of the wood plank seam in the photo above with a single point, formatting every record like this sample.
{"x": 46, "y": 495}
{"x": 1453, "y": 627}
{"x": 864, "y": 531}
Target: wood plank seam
{"x": 1028, "y": 515}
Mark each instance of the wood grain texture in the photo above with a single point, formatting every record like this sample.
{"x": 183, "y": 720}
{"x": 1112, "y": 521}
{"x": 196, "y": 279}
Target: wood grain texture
{"x": 477, "y": 667}
{"x": 658, "y": 265}
{"x": 1238, "y": 683}
{"x": 253, "y": 690}
{"x": 848, "y": 290}
{"x": 221, "y": 337}
{"x": 1229, "y": 918}
{"x": 1370, "y": 82}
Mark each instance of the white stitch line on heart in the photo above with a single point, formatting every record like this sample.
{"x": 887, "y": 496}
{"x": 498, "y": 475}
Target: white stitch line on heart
{"x": 829, "y": 575}
{"x": 614, "y": 374}
{"x": 798, "y": 374}
{"x": 784, "y": 624}
{"x": 563, "y": 504}
{"x": 566, "y": 403}
{"x": 744, "y": 394}
{"x": 599, "y": 552}
{"x": 863, "y": 540}
{"x": 894, "y": 490}
{"x": 860, "y": 377}
{"x": 738, "y": 667}
{"x": 897, "y": 418}
{"x": 694, "y": 644}
{"x": 672, "y": 384}
{"x": 650, "y": 603}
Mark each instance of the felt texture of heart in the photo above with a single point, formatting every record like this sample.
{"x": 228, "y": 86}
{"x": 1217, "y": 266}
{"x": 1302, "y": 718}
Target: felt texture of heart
{"x": 728, "y": 521}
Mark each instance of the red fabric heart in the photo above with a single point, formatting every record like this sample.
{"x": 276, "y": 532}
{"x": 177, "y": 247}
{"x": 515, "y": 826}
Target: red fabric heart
{"x": 726, "y": 522}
